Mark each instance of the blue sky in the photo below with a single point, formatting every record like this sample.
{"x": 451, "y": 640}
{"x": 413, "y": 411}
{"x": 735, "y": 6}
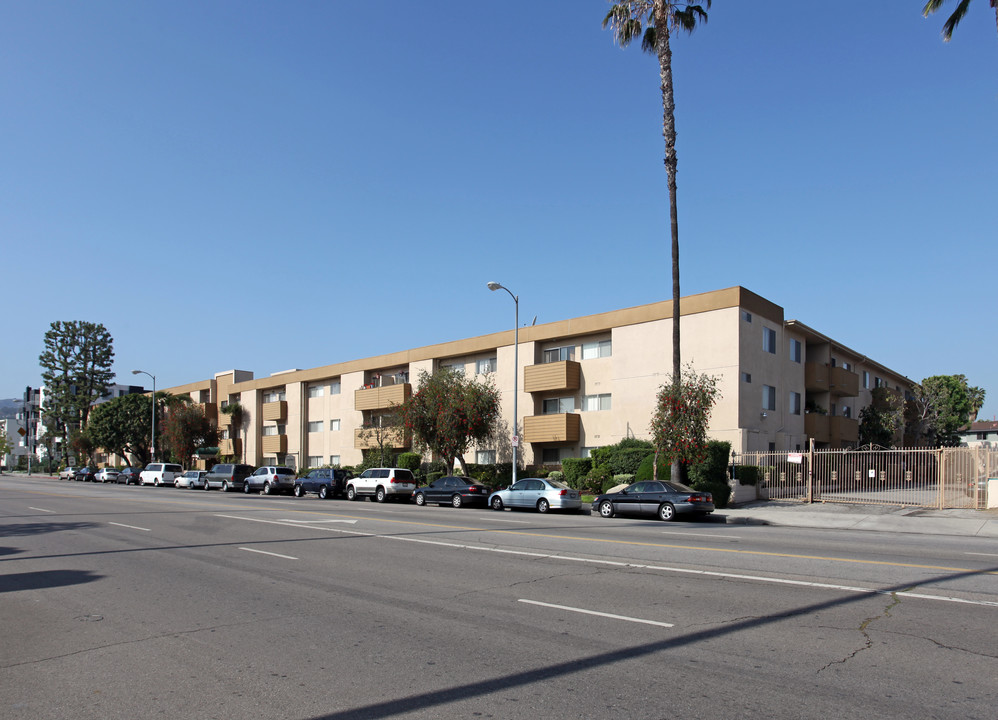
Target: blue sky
{"x": 204, "y": 178}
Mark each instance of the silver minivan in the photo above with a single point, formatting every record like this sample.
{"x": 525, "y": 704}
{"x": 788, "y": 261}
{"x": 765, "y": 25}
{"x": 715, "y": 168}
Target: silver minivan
{"x": 160, "y": 474}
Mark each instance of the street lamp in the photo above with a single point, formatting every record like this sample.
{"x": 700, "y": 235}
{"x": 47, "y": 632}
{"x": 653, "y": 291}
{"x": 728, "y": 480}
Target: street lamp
{"x": 153, "y": 448}
{"x": 516, "y": 364}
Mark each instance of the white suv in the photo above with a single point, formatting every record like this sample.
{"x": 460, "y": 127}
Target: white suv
{"x": 271, "y": 479}
{"x": 160, "y": 474}
{"x": 382, "y": 483}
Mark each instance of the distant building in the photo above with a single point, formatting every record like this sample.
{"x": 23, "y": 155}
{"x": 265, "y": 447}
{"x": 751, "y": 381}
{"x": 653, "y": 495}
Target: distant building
{"x": 982, "y": 432}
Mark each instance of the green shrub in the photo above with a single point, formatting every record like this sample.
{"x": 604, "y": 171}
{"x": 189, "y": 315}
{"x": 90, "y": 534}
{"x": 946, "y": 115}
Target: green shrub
{"x": 627, "y": 460}
{"x": 575, "y": 470}
{"x": 556, "y": 476}
{"x": 644, "y": 471}
{"x": 624, "y": 479}
{"x": 409, "y": 461}
{"x": 712, "y": 474}
{"x": 435, "y": 475}
{"x": 608, "y": 485}
{"x": 747, "y": 474}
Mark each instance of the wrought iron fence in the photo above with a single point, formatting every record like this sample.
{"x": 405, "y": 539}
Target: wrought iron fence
{"x": 918, "y": 477}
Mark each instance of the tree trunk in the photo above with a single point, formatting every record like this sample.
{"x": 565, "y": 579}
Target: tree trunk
{"x": 664, "y": 51}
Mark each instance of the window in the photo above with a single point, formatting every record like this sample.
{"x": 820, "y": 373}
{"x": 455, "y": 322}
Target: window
{"x": 334, "y": 459}
{"x": 225, "y": 435}
{"x": 551, "y": 456}
{"x": 768, "y": 397}
{"x": 878, "y": 382}
{"x": 587, "y": 451}
{"x": 746, "y": 377}
{"x": 746, "y": 316}
{"x": 334, "y": 387}
{"x": 485, "y": 457}
{"x": 488, "y": 365}
{"x": 274, "y": 396}
{"x": 866, "y": 379}
{"x": 595, "y": 403}
{"x": 795, "y": 403}
{"x": 315, "y": 426}
{"x": 769, "y": 340}
{"x": 831, "y": 409}
{"x": 846, "y": 366}
{"x": 795, "y": 351}
{"x": 455, "y": 367}
{"x": 598, "y": 349}
{"x": 846, "y": 411}
{"x": 315, "y": 391}
{"x": 314, "y": 461}
{"x": 558, "y": 405}
{"x": 334, "y": 425}
{"x": 559, "y": 354}
{"x": 269, "y": 430}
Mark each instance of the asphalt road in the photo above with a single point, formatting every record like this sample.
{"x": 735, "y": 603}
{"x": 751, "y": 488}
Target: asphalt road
{"x": 132, "y": 602}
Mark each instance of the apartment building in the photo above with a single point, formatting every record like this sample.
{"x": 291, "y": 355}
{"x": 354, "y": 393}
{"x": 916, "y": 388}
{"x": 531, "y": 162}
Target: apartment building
{"x": 583, "y": 383}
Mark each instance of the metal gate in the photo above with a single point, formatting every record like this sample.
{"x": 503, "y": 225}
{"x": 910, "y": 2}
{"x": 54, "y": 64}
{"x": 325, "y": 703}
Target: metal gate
{"x": 919, "y": 477}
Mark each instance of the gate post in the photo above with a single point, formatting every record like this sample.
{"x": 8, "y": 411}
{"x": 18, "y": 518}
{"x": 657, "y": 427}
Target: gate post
{"x": 942, "y": 477}
{"x": 810, "y": 470}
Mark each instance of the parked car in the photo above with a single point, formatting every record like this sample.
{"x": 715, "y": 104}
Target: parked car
{"x": 227, "y": 476}
{"x": 106, "y": 475}
{"x": 452, "y": 490}
{"x": 270, "y": 480}
{"x": 382, "y": 484}
{"x": 542, "y": 495}
{"x": 160, "y": 474}
{"x": 654, "y": 498}
{"x": 68, "y": 473}
{"x": 83, "y": 474}
{"x": 325, "y": 482}
{"x": 129, "y": 476}
{"x": 191, "y": 479}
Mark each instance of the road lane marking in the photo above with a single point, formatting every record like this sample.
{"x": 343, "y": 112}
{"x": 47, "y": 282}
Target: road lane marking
{"x": 294, "y": 524}
{"x": 40, "y": 509}
{"x": 264, "y": 552}
{"x": 519, "y": 522}
{"x": 984, "y": 554}
{"x": 130, "y": 527}
{"x": 309, "y": 522}
{"x": 600, "y": 614}
{"x": 696, "y": 534}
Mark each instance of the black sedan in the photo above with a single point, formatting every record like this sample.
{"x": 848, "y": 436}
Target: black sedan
{"x": 84, "y": 474}
{"x": 129, "y": 476}
{"x": 662, "y": 499}
{"x": 324, "y": 482}
{"x": 452, "y": 490}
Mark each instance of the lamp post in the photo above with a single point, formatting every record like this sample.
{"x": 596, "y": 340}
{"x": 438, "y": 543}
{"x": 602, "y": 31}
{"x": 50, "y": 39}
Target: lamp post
{"x": 516, "y": 364}
{"x": 153, "y": 443}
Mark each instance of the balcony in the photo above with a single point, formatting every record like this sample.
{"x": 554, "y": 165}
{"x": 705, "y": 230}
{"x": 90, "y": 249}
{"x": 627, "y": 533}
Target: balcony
{"x": 210, "y": 411}
{"x": 275, "y": 444}
{"x": 380, "y": 398}
{"x": 560, "y": 427}
{"x": 816, "y": 427}
{"x": 816, "y": 377}
{"x": 368, "y": 438}
{"x": 842, "y": 382}
{"x": 277, "y": 410}
{"x": 564, "y": 375}
{"x": 843, "y": 430}
{"x": 233, "y": 448}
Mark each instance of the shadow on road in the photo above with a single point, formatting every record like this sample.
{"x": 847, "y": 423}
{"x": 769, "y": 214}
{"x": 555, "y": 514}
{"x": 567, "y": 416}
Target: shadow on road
{"x": 468, "y": 691}
{"x": 28, "y": 529}
{"x": 45, "y": 579}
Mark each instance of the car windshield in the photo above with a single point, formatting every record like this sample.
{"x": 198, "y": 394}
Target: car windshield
{"x": 284, "y": 471}
{"x": 678, "y": 487}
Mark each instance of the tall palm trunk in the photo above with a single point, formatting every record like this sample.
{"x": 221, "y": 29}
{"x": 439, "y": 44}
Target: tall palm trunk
{"x": 664, "y": 52}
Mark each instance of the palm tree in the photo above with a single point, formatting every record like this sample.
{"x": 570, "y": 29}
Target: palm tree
{"x": 953, "y": 20}
{"x": 654, "y": 21}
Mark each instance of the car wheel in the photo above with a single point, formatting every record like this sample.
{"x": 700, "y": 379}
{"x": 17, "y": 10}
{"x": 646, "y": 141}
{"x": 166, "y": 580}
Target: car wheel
{"x": 267, "y": 489}
{"x": 246, "y": 488}
{"x": 299, "y": 492}
{"x": 206, "y": 485}
{"x": 380, "y": 494}
{"x": 543, "y": 506}
{"x": 606, "y": 509}
{"x": 456, "y": 501}
{"x": 324, "y": 492}
{"x": 496, "y": 503}
{"x": 351, "y": 493}
{"x": 666, "y": 512}
{"x": 420, "y": 499}
{"x": 225, "y": 486}
{"x": 155, "y": 483}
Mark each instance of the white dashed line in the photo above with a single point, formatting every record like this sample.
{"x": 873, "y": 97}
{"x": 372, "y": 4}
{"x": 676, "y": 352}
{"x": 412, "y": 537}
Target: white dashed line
{"x": 40, "y": 509}
{"x": 130, "y": 527}
{"x": 264, "y": 552}
{"x": 600, "y": 614}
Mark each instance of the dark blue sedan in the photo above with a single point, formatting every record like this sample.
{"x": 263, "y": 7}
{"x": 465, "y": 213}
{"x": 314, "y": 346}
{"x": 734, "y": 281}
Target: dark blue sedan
{"x": 664, "y": 500}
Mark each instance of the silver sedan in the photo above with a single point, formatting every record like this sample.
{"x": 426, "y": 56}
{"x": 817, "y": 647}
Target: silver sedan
{"x": 193, "y": 479}
{"x": 542, "y": 495}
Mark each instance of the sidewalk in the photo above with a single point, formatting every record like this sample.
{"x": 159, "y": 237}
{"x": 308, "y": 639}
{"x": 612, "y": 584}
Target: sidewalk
{"x": 878, "y": 518}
